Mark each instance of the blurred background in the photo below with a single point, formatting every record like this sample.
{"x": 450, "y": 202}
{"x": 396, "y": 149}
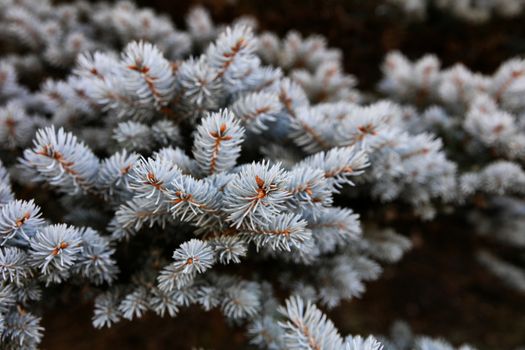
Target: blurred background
{"x": 438, "y": 288}
{"x": 366, "y": 29}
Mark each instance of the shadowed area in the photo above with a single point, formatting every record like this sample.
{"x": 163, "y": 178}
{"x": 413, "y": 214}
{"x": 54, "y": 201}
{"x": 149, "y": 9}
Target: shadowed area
{"x": 438, "y": 288}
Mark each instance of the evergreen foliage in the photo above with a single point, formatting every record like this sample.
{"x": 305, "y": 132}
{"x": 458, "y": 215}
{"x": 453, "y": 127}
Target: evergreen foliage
{"x": 218, "y": 145}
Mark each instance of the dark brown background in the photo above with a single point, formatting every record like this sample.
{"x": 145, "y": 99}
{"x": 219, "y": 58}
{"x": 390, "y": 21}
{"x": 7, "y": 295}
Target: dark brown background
{"x": 438, "y": 288}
